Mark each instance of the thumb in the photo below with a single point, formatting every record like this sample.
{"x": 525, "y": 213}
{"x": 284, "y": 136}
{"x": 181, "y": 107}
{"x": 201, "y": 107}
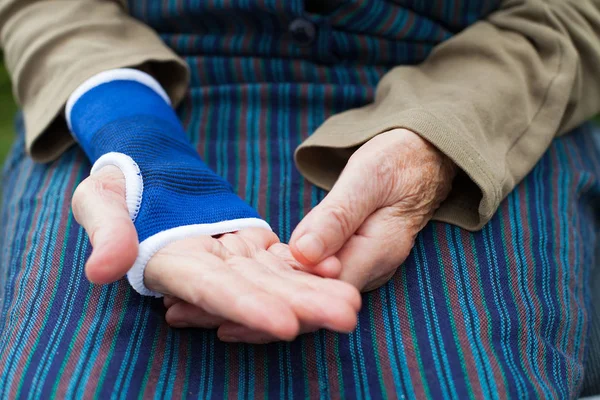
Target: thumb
{"x": 326, "y": 228}
{"x": 99, "y": 206}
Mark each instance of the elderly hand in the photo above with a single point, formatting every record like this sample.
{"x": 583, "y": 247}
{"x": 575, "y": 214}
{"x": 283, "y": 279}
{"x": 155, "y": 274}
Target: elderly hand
{"x": 247, "y": 278}
{"x": 386, "y": 194}
{"x": 384, "y": 197}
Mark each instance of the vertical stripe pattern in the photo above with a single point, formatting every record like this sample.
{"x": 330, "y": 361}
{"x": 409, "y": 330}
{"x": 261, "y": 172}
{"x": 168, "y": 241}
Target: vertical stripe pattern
{"x": 500, "y": 313}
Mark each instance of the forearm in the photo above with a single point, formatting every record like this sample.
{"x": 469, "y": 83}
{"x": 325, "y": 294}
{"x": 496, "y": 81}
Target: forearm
{"x": 52, "y": 47}
{"x": 123, "y": 118}
{"x": 491, "y": 98}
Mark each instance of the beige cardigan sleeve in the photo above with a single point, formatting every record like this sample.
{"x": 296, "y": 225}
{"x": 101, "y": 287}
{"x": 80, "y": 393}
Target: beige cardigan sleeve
{"x": 492, "y": 98}
{"x": 51, "y": 47}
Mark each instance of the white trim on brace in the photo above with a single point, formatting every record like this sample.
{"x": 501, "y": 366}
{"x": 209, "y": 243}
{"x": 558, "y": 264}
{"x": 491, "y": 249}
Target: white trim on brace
{"x": 120, "y": 74}
{"x": 134, "y": 183}
{"x": 154, "y": 243}
{"x": 134, "y": 189}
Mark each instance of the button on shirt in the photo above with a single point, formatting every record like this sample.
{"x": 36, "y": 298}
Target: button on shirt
{"x": 303, "y": 31}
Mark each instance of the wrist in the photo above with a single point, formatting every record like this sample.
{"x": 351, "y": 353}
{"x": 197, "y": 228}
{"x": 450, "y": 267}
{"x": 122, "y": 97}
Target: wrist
{"x": 438, "y": 168}
{"x": 431, "y": 171}
{"x": 424, "y": 149}
{"x": 171, "y": 193}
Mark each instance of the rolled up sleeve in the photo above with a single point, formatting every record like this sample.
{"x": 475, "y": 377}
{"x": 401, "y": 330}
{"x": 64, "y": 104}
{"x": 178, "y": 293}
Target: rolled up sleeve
{"x": 51, "y": 47}
{"x": 491, "y": 98}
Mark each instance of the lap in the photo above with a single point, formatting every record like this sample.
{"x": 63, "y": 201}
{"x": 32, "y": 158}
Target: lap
{"x": 496, "y": 313}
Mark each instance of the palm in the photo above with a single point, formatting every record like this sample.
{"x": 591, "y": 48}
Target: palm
{"x": 248, "y": 284}
{"x": 245, "y": 282}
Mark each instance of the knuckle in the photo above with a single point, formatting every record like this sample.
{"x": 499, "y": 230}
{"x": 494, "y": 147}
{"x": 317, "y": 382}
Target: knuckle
{"x": 110, "y": 186}
{"x": 279, "y": 249}
{"x": 197, "y": 296}
{"x": 172, "y": 319}
{"x": 349, "y": 292}
{"x": 80, "y": 193}
{"x": 383, "y": 169}
{"x": 340, "y": 214}
{"x": 387, "y": 166}
{"x": 271, "y": 238}
{"x": 98, "y": 187}
{"x": 198, "y": 290}
{"x": 235, "y": 244}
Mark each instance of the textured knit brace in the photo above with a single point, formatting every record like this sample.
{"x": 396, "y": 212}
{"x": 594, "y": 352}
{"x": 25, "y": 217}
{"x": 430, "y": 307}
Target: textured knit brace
{"x": 124, "y": 118}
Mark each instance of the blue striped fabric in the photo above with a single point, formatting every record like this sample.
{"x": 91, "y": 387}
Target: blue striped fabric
{"x": 591, "y": 383}
{"x": 500, "y": 313}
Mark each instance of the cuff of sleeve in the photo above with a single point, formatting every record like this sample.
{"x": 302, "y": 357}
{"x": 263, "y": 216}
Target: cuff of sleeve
{"x": 476, "y": 193}
{"x": 47, "y": 134}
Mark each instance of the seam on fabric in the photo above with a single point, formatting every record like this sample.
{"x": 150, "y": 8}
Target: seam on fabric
{"x": 546, "y": 94}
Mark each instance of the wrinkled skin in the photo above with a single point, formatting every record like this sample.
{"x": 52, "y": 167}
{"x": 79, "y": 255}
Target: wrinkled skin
{"x": 240, "y": 283}
{"x": 386, "y": 194}
{"x": 245, "y": 279}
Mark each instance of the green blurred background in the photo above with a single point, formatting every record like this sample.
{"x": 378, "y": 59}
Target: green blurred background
{"x": 7, "y": 113}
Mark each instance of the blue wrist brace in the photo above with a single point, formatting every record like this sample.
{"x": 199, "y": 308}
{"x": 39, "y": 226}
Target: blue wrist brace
{"x": 123, "y": 118}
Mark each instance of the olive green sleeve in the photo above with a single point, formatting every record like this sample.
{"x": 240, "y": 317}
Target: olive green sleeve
{"x": 491, "y": 98}
{"x": 51, "y": 47}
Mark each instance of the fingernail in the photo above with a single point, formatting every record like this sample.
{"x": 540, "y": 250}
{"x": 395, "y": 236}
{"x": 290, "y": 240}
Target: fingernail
{"x": 311, "y": 247}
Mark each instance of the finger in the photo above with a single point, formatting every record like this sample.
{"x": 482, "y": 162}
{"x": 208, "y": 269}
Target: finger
{"x": 169, "y": 301}
{"x": 230, "y": 332}
{"x": 334, "y": 287}
{"x": 286, "y": 280}
{"x": 314, "y": 307}
{"x": 328, "y": 268}
{"x": 260, "y": 237}
{"x": 99, "y": 206}
{"x": 185, "y": 315}
{"x": 371, "y": 257}
{"x": 246, "y": 243}
{"x": 195, "y": 271}
{"x": 330, "y": 224}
